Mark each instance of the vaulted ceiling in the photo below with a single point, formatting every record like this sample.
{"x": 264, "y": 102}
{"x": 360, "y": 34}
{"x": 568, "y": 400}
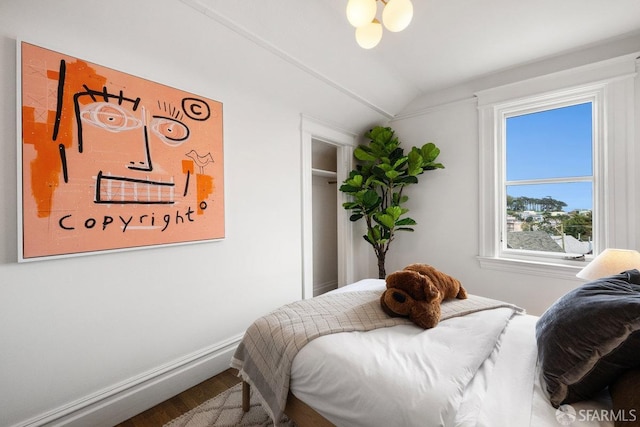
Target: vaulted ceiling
{"x": 449, "y": 42}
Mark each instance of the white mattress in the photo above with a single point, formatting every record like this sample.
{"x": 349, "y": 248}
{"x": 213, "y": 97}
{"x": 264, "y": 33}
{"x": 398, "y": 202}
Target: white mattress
{"x": 405, "y": 376}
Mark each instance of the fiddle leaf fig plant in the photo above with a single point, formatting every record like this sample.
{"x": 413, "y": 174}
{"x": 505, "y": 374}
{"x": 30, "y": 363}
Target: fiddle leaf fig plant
{"x": 377, "y": 184}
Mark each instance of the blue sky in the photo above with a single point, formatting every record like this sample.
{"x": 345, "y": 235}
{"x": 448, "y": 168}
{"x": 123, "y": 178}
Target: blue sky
{"x": 552, "y": 144}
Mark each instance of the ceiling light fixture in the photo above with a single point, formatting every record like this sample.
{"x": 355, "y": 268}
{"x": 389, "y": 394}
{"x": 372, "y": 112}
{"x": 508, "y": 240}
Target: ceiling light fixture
{"x": 369, "y": 35}
{"x": 361, "y": 12}
{"x": 396, "y": 16}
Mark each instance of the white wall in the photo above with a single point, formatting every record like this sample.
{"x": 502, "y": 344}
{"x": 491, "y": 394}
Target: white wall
{"x": 445, "y": 202}
{"x": 96, "y": 339}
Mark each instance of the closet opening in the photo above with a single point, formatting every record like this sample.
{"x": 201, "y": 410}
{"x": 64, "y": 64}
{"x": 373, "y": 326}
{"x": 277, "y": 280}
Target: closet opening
{"x": 324, "y": 213}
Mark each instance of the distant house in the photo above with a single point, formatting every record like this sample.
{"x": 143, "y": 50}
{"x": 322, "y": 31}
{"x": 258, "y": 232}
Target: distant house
{"x": 536, "y": 217}
{"x": 583, "y": 212}
{"x": 513, "y": 223}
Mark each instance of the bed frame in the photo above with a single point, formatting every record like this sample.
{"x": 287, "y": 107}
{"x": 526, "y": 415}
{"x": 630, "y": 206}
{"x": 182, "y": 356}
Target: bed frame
{"x": 298, "y": 411}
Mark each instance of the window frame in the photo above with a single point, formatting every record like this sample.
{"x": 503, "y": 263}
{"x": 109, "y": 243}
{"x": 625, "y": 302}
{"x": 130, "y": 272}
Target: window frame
{"x": 539, "y": 104}
{"x": 609, "y": 86}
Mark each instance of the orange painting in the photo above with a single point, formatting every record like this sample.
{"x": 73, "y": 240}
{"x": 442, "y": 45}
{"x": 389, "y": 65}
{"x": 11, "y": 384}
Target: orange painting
{"x": 111, "y": 161}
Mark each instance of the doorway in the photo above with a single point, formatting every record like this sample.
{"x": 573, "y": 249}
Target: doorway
{"x": 327, "y": 237}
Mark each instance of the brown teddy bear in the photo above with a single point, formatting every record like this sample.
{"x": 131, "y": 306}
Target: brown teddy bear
{"x": 417, "y": 291}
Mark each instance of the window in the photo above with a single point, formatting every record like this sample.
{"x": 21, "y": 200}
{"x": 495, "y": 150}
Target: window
{"x": 548, "y": 184}
{"x": 556, "y": 169}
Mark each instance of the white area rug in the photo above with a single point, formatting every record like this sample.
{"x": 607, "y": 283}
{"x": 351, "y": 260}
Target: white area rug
{"x": 225, "y": 410}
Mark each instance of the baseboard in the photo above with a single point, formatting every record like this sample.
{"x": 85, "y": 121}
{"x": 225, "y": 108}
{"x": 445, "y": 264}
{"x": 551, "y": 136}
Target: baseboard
{"x": 113, "y": 405}
{"x": 321, "y": 288}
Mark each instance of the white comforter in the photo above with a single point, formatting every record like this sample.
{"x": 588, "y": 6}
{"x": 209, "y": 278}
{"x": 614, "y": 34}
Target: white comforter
{"x": 475, "y": 370}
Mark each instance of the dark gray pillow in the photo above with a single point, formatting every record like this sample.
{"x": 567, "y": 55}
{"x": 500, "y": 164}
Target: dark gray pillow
{"x": 589, "y": 337}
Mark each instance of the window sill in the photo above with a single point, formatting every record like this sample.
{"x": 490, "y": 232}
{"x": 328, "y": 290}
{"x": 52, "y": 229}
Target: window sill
{"x": 537, "y": 268}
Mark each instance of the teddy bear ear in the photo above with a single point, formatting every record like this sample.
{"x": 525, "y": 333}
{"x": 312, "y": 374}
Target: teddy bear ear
{"x": 415, "y": 284}
{"x": 431, "y": 292}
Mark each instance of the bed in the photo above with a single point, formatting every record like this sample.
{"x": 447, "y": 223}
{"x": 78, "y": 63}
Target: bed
{"x": 477, "y": 367}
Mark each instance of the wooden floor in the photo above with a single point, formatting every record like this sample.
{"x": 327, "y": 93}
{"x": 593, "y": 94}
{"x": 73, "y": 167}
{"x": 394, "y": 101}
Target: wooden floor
{"x": 185, "y": 401}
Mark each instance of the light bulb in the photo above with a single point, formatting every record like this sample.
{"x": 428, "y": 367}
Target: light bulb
{"x": 361, "y": 12}
{"x": 368, "y": 36}
{"x": 397, "y": 15}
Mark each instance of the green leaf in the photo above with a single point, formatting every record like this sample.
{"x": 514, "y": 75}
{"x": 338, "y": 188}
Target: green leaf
{"x": 363, "y": 155}
{"x": 406, "y": 221}
{"x": 394, "y": 211}
{"x": 346, "y": 188}
{"x": 404, "y": 229}
{"x": 400, "y": 162}
{"x": 414, "y": 171}
{"x": 371, "y": 181}
{"x": 370, "y": 198}
{"x": 355, "y": 181}
{"x": 392, "y": 174}
{"x": 432, "y": 166}
{"x": 378, "y": 182}
{"x": 416, "y": 162}
{"x": 396, "y": 154}
{"x": 386, "y": 220}
{"x": 430, "y": 152}
{"x": 378, "y": 172}
{"x": 415, "y": 157}
{"x": 374, "y": 234}
{"x": 355, "y": 217}
{"x": 409, "y": 179}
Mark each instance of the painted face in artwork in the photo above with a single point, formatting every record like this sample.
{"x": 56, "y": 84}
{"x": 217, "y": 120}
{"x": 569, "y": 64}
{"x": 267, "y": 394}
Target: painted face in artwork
{"x": 114, "y": 161}
{"x": 120, "y": 140}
